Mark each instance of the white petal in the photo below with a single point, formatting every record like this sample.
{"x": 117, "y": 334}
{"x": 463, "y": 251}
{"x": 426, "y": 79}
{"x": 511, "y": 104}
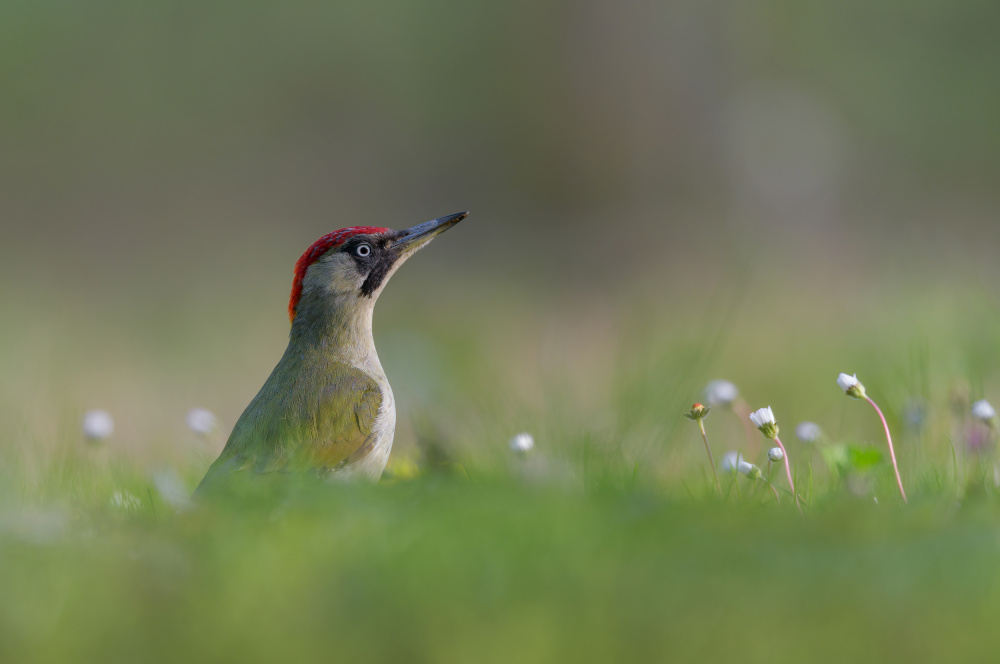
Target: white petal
{"x": 846, "y": 381}
{"x": 201, "y": 421}
{"x": 763, "y": 416}
{"x": 98, "y": 424}
{"x": 522, "y": 442}
{"x": 720, "y": 392}
{"x": 982, "y": 410}
{"x": 730, "y": 461}
{"x": 808, "y": 432}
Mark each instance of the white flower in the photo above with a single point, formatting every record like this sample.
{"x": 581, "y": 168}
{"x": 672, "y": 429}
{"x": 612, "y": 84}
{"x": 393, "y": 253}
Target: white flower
{"x": 98, "y": 424}
{"x": 125, "y": 501}
{"x": 808, "y": 432}
{"x": 851, "y": 386}
{"x": 763, "y": 419}
{"x": 521, "y": 443}
{"x": 775, "y": 454}
{"x": 171, "y": 488}
{"x": 201, "y": 421}
{"x": 730, "y": 462}
{"x": 720, "y": 392}
{"x": 763, "y": 416}
{"x": 982, "y": 410}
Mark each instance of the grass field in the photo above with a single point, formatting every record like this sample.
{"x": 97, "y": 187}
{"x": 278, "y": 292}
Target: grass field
{"x": 607, "y": 542}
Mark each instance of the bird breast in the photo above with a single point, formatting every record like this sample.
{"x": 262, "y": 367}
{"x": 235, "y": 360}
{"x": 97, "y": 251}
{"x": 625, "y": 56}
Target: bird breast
{"x": 371, "y": 465}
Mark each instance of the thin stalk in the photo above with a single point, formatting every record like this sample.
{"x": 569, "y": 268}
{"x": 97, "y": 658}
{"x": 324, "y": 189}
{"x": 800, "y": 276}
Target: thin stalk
{"x": 892, "y": 453}
{"x": 993, "y": 455}
{"x": 788, "y": 472}
{"x": 768, "y": 479}
{"x": 809, "y": 493}
{"x": 729, "y": 489}
{"x": 959, "y": 489}
{"x": 711, "y": 460}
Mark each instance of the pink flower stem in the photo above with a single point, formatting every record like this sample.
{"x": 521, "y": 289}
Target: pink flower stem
{"x": 788, "y": 472}
{"x": 892, "y": 453}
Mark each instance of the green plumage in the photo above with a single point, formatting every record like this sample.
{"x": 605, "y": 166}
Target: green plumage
{"x": 313, "y": 414}
{"x": 327, "y": 407}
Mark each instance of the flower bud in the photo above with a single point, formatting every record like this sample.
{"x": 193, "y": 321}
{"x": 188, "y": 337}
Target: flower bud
{"x": 721, "y": 393}
{"x": 808, "y": 432}
{"x": 521, "y": 443}
{"x": 775, "y": 454}
{"x": 98, "y": 425}
{"x": 730, "y": 462}
{"x": 851, "y": 386}
{"x": 698, "y": 412}
{"x": 983, "y": 411}
{"x": 748, "y": 469}
{"x": 201, "y": 421}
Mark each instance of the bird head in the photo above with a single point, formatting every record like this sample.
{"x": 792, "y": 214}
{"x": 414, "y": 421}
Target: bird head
{"x": 352, "y": 265}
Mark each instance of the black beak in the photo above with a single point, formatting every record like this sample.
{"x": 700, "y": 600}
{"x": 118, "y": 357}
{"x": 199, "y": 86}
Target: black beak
{"x": 415, "y": 237}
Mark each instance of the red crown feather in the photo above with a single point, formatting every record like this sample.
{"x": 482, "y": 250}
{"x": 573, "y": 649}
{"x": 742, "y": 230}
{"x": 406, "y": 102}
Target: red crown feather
{"x": 317, "y": 249}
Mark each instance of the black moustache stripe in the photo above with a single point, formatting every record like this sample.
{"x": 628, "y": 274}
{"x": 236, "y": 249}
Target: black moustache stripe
{"x": 378, "y": 273}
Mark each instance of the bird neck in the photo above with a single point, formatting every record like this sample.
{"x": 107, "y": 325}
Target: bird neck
{"x": 339, "y": 327}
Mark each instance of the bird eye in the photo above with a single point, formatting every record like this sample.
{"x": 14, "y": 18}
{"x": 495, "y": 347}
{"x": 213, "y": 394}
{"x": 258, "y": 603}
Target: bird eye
{"x": 363, "y": 250}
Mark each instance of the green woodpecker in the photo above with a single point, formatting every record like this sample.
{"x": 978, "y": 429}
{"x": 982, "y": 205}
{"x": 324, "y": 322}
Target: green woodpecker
{"x": 327, "y": 407}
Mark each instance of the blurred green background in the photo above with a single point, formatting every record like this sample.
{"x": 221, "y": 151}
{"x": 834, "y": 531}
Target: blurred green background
{"x": 747, "y": 174}
{"x": 677, "y": 190}
{"x": 662, "y": 193}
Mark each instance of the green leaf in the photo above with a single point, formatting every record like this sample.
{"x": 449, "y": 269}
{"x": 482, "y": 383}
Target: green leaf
{"x": 837, "y": 458}
{"x": 864, "y": 458}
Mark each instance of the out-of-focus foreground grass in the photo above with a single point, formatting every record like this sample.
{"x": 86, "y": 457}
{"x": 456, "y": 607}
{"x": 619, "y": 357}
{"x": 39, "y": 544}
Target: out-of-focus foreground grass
{"x": 605, "y": 543}
{"x": 449, "y": 570}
